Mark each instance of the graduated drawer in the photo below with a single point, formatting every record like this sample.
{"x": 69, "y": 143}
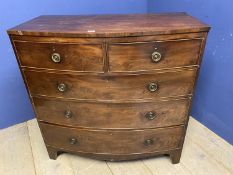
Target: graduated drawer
{"x": 112, "y": 141}
{"x": 153, "y": 55}
{"x": 60, "y": 56}
{"x": 102, "y": 115}
{"x": 124, "y": 87}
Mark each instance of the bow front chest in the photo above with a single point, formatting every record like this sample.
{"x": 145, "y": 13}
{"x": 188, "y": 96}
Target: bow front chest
{"x": 111, "y": 87}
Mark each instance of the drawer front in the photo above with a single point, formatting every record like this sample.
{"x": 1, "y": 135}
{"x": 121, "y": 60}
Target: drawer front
{"x": 150, "y": 86}
{"x": 112, "y": 141}
{"x": 75, "y": 57}
{"x": 101, "y": 115}
{"x": 153, "y": 55}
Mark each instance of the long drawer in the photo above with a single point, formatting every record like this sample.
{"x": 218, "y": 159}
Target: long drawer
{"x": 107, "y": 116}
{"x": 125, "y": 87}
{"x": 60, "y": 56}
{"x": 112, "y": 141}
{"x": 153, "y": 55}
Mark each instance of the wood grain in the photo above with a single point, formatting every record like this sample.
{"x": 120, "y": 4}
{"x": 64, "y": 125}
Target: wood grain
{"x": 110, "y": 25}
{"x": 138, "y": 56}
{"x": 103, "y": 80}
{"x": 74, "y": 57}
{"x": 112, "y": 115}
{"x": 91, "y": 40}
{"x": 212, "y": 144}
{"x": 16, "y": 154}
{"x": 66, "y": 164}
{"x": 111, "y": 87}
{"x": 111, "y": 141}
{"x": 201, "y": 161}
{"x": 129, "y": 168}
{"x": 205, "y": 153}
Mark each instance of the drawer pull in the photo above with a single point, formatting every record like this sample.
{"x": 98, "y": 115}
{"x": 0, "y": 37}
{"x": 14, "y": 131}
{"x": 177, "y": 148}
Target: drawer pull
{"x": 73, "y": 141}
{"x": 150, "y": 115}
{"x": 152, "y": 87}
{"x": 56, "y": 58}
{"x": 156, "y": 56}
{"x": 62, "y": 87}
{"x": 148, "y": 142}
{"x": 68, "y": 114}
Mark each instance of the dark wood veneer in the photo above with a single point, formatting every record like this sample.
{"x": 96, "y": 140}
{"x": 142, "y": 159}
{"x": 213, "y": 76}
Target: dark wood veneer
{"x": 112, "y": 141}
{"x": 76, "y": 57}
{"x": 106, "y": 110}
{"x": 137, "y": 56}
{"x": 112, "y": 115}
{"x": 170, "y": 84}
{"x": 110, "y": 25}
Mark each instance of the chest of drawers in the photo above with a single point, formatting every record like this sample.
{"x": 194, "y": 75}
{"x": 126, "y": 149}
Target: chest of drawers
{"x": 111, "y": 87}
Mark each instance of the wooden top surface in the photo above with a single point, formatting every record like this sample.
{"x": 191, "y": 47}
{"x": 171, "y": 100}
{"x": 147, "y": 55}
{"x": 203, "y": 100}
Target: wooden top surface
{"x": 110, "y": 25}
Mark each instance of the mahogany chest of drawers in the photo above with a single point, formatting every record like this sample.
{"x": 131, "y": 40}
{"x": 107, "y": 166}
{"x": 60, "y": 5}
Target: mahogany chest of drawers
{"x": 111, "y": 87}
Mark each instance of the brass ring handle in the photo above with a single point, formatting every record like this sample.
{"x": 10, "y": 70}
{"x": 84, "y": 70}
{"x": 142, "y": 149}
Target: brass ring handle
{"x": 56, "y": 58}
{"x": 152, "y": 87}
{"x": 68, "y": 114}
{"x": 73, "y": 141}
{"x": 62, "y": 87}
{"x": 150, "y": 115}
{"x": 148, "y": 142}
{"x": 156, "y": 57}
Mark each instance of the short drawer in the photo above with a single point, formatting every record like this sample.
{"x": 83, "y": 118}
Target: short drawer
{"x": 108, "y": 116}
{"x": 153, "y": 55}
{"x": 60, "y": 56}
{"x": 125, "y": 87}
{"x": 112, "y": 141}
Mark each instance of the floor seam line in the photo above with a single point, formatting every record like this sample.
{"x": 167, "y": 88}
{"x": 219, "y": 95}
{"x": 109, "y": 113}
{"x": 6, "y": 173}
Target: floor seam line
{"x": 109, "y": 168}
{"x": 151, "y": 172}
{"x": 213, "y": 160}
{"x": 31, "y": 149}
